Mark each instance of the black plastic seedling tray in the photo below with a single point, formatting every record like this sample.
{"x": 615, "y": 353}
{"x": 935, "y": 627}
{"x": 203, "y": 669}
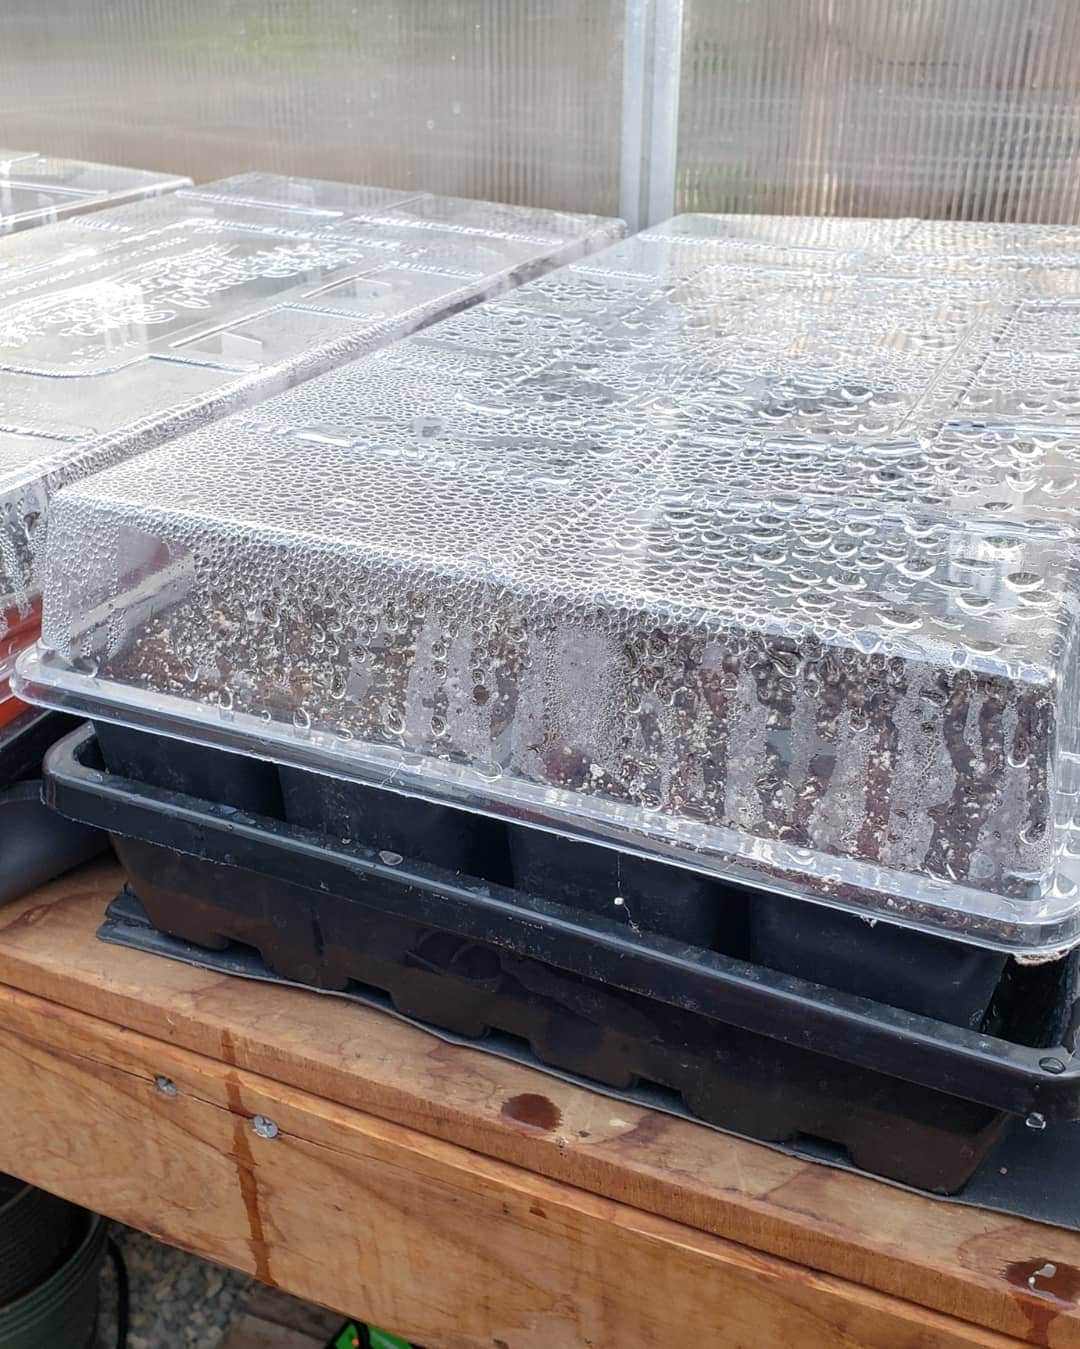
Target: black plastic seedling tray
{"x": 932, "y": 976}
{"x": 916, "y": 971}
{"x": 754, "y": 1050}
{"x": 36, "y": 844}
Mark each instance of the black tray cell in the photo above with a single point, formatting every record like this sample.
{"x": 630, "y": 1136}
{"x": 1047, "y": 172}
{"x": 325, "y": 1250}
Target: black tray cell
{"x": 182, "y": 766}
{"x": 653, "y": 896}
{"x": 386, "y": 821}
{"x": 733, "y": 1078}
{"x": 928, "y": 975}
{"x": 1036, "y": 1004}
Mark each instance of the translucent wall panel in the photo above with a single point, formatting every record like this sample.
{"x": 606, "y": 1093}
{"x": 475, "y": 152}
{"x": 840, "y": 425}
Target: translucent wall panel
{"x": 954, "y": 108}
{"x": 951, "y": 108}
{"x": 515, "y": 100}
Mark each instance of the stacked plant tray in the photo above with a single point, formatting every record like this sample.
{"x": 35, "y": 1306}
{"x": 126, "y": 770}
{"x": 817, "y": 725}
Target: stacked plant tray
{"x": 711, "y": 600}
{"x": 37, "y": 189}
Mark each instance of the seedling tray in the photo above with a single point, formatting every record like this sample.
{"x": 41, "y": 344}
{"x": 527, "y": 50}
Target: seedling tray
{"x": 125, "y": 327}
{"x": 38, "y": 189}
{"x": 744, "y": 545}
{"x": 753, "y": 1050}
{"x": 948, "y": 980}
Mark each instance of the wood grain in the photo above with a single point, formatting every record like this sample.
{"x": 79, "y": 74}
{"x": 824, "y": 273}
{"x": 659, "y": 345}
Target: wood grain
{"x": 453, "y": 1249}
{"x": 941, "y": 1256}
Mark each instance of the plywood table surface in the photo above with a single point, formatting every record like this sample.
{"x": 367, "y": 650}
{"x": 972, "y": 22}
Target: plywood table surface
{"x": 454, "y": 1198}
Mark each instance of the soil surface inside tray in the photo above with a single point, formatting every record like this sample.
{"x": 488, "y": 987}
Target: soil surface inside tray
{"x": 276, "y": 677}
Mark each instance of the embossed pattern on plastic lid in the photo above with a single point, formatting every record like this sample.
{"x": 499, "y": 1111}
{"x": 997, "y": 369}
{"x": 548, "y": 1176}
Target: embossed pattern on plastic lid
{"x": 38, "y": 189}
{"x": 746, "y": 543}
{"x": 123, "y": 328}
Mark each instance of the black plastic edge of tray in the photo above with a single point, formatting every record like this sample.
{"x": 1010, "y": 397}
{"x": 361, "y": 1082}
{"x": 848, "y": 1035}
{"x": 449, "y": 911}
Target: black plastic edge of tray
{"x": 945, "y": 978}
{"x": 524, "y": 1011}
{"x": 963, "y": 1063}
{"x": 36, "y": 844}
{"x": 25, "y": 739}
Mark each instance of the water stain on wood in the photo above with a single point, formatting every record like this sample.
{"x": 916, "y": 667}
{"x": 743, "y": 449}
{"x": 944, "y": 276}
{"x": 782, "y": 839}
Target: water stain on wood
{"x": 249, "y": 1188}
{"x": 1047, "y": 1288}
{"x": 648, "y": 1128}
{"x": 28, "y": 918}
{"x": 37, "y": 913}
{"x": 532, "y": 1111}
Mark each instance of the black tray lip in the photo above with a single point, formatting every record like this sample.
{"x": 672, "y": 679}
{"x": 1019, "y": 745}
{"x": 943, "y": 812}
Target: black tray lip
{"x": 25, "y": 740}
{"x": 26, "y": 721}
{"x": 934, "y": 1054}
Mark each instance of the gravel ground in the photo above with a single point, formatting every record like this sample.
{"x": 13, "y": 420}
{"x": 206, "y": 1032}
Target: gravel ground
{"x": 176, "y": 1299}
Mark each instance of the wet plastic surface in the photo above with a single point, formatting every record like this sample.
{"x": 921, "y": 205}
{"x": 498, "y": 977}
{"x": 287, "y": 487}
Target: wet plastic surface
{"x": 915, "y": 1099}
{"x": 125, "y": 327}
{"x": 39, "y": 189}
{"x": 790, "y": 602}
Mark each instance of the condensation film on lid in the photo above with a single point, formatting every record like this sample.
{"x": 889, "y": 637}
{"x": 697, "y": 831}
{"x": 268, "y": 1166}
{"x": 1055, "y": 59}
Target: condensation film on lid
{"x": 748, "y": 543}
{"x": 123, "y": 328}
{"x": 38, "y": 189}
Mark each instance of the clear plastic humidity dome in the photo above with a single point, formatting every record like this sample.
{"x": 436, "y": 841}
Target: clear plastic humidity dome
{"x": 120, "y": 329}
{"x": 37, "y": 189}
{"x": 748, "y": 543}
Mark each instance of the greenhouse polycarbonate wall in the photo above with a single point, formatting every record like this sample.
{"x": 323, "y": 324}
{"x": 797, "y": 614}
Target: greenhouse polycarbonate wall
{"x": 963, "y": 109}
{"x": 509, "y": 100}
{"x": 954, "y": 108}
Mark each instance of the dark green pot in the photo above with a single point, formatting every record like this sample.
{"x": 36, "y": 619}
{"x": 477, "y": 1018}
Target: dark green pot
{"x": 62, "y": 1311}
{"x": 38, "y": 1231}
